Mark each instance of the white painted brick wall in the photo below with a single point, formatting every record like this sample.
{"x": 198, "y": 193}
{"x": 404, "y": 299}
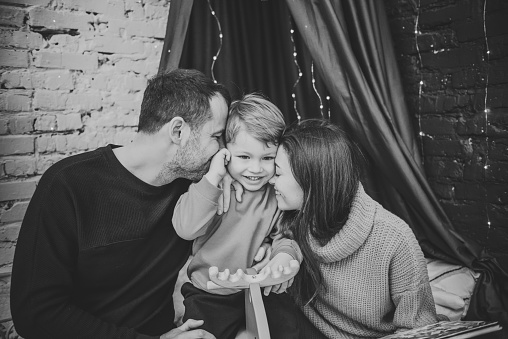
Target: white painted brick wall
{"x": 72, "y": 76}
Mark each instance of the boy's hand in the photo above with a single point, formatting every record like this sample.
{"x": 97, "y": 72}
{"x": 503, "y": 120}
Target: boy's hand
{"x": 225, "y": 197}
{"x": 263, "y": 255}
{"x": 218, "y": 164}
{"x": 278, "y": 263}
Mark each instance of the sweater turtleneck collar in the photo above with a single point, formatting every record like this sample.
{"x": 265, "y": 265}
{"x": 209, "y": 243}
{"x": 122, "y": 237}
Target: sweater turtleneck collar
{"x": 354, "y": 233}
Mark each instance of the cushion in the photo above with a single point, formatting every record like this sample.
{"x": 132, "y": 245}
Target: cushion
{"x": 452, "y": 287}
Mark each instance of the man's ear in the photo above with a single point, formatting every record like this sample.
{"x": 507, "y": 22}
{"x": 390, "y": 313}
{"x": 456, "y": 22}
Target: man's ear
{"x": 178, "y": 131}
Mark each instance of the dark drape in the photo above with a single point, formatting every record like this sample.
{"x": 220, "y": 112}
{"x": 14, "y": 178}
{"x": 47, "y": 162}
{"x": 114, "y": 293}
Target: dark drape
{"x": 348, "y": 45}
{"x": 256, "y": 52}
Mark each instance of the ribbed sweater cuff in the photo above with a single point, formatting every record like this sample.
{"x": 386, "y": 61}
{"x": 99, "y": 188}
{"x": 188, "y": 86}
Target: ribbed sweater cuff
{"x": 207, "y": 190}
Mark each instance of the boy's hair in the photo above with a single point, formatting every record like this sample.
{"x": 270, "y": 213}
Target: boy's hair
{"x": 184, "y": 93}
{"x": 260, "y": 118}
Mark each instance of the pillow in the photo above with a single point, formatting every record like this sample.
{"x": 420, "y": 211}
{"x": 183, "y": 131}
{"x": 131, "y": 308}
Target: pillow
{"x": 449, "y": 284}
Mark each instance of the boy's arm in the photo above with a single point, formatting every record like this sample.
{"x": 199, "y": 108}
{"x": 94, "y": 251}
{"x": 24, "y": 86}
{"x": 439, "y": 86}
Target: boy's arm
{"x": 196, "y": 209}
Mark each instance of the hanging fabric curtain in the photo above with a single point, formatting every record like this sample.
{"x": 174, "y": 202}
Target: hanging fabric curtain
{"x": 349, "y": 44}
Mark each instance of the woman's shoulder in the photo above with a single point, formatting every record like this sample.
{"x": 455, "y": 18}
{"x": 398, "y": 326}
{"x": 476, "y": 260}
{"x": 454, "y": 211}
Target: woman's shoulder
{"x": 391, "y": 226}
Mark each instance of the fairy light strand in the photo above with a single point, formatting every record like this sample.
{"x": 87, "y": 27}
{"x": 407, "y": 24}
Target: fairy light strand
{"x": 420, "y": 84}
{"x": 300, "y": 74}
{"x": 315, "y": 89}
{"x": 214, "y": 59}
{"x": 486, "y": 111}
{"x": 329, "y": 107}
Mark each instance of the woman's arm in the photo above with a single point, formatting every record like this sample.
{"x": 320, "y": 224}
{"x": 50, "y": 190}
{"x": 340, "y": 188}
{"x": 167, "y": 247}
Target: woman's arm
{"x": 409, "y": 285}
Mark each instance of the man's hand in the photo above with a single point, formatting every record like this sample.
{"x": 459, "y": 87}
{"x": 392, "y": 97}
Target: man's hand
{"x": 217, "y": 169}
{"x": 225, "y": 198}
{"x": 187, "y": 331}
{"x": 278, "y": 263}
{"x": 263, "y": 256}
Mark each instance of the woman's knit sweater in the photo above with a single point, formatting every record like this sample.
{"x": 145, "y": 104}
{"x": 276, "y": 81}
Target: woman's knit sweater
{"x": 375, "y": 277}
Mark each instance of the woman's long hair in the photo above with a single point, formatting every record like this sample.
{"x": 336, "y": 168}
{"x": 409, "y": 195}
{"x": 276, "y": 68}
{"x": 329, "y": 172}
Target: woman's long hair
{"x": 326, "y": 165}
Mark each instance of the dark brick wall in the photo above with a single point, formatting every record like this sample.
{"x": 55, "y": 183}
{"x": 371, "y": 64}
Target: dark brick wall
{"x": 465, "y": 149}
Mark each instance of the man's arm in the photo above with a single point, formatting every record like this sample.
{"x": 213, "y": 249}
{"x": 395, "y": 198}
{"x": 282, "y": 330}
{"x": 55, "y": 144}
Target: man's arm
{"x": 42, "y": 283}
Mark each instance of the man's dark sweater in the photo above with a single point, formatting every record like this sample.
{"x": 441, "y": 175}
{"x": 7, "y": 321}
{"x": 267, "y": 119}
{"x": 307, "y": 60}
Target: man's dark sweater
{"x": 97, "y": 256}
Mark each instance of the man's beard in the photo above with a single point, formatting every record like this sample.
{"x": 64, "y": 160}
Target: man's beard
{"x": 187, "y": 164}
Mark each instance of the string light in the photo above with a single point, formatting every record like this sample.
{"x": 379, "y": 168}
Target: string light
{"x": 328, "y": 100}
{"x": 300, "y": 74}
{"x": 486, "y": 111}
{"x": 315, "y": 89}
{"x": 420, "y": 84}
{"x": 214, "y": 59}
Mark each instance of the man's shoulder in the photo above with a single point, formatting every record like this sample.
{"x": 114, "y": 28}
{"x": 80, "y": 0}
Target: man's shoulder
{"x": 77, "y": 163}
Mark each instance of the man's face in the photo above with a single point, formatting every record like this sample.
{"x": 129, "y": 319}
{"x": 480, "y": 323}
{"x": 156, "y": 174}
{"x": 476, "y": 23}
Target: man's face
{"x": 205, "y": 141}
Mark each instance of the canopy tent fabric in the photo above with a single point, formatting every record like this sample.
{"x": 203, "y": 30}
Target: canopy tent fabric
{"x": 349, "y": 47}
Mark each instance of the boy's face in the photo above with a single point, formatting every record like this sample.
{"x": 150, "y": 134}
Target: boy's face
{"x": 252, "y": 161}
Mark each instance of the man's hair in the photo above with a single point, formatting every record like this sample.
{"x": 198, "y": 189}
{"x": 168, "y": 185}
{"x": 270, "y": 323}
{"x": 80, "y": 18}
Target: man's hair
{"x": 258, "y": 116}
{"x": 184, "y": 93}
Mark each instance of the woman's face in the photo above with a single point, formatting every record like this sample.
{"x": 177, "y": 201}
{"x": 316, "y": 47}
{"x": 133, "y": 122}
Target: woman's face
{"x": 288, "y": 192}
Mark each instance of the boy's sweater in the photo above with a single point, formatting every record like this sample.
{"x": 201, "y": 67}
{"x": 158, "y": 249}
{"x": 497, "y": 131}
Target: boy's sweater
{"x": 232, "y": 239}
{"x": 375, "y": 276}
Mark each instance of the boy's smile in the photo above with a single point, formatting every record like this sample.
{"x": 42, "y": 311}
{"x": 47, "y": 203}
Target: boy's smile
{"x": 252, "y": 161}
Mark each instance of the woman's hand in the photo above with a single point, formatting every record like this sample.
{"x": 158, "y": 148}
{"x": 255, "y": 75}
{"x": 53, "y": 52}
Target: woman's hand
{"x": 262, "y": 257}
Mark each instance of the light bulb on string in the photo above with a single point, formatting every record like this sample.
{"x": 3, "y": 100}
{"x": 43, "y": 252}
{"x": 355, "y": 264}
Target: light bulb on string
{"x": 315, "y": 89}
{"x": 486, "y": 112}
{"x": 420, "y": 84}
{"x": 329, "y": 107}
{"x": 300, "y": 74}
{"x": 214, "y": 58}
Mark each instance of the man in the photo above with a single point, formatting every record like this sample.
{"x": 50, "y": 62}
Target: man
{"x": 97, "y": 255}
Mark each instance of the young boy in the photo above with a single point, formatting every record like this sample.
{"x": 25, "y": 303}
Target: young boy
{"x": 231, "y": 240}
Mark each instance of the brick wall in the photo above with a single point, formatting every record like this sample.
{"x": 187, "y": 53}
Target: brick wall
{"x": 465, "y": 150}
{"x": 72, "y": 75}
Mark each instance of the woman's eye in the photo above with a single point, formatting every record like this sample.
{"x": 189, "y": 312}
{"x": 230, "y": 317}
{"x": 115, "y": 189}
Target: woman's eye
{"x": 268, "y": 158}
{"x": 243, "y": 157}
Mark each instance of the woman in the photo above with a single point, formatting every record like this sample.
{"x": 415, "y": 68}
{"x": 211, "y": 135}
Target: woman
{"x": 363, "y": 274}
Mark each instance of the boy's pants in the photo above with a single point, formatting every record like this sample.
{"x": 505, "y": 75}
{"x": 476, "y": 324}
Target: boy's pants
{"x": 224, "y": 315}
